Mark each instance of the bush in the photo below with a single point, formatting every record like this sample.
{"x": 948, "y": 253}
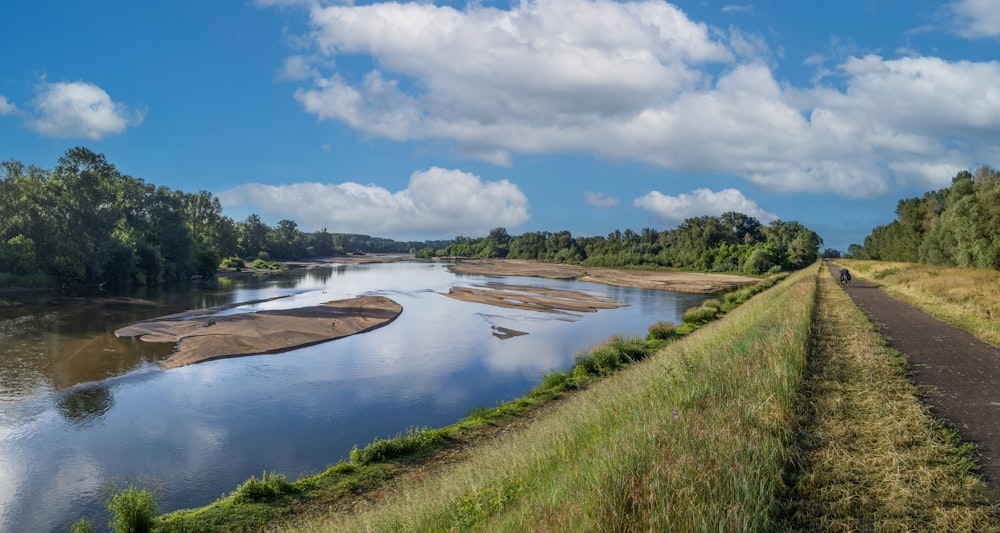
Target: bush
{"x": 232, "y": 262}
{"x": 260, "y": 264}
{"x": 133, "y": 510}
{"x": 662, "y": 330}
{"x": 700, "y": 315}
{"x": 267, "y": 488}
{"x": 83, "y": 525}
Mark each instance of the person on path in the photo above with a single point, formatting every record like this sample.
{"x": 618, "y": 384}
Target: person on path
{"x": 845, "y": 277}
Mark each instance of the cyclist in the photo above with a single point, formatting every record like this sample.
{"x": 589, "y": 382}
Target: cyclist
{"x": 845, "y": 277}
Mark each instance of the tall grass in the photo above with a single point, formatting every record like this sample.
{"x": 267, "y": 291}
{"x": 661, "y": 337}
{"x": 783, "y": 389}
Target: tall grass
{"x": 692, "y": 438}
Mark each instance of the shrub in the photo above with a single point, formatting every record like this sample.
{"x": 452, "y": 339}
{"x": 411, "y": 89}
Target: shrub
{"x": 700, "y": 315}
{"x": 267, "y": 488}
{"x": 232, "y": 262}
{"x": 133, "y": 509}
{"x": 662, "y": 330}
{"x": 83, "y": 525}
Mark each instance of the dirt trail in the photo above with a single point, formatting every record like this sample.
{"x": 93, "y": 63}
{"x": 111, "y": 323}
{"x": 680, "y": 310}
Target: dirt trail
{"x": 959, "y": 372}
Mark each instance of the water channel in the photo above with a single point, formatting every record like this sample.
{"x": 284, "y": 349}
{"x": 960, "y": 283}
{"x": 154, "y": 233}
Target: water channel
{"x": 80, "y": 408}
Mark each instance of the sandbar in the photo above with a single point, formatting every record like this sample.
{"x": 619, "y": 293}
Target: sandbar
{"x": 202, "y": 338}
{"x": 533, "y": 298}
{"x": 687, "y": 282}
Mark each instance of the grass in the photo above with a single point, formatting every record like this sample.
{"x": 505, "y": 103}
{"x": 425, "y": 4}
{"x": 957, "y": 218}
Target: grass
{"x": 868, "y": 455}
{"x": 962, "y": 297}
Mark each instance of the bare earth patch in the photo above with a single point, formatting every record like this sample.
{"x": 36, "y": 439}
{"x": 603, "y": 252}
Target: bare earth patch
{"x": 200, "y": 338}
{"x": 689, "y": 282}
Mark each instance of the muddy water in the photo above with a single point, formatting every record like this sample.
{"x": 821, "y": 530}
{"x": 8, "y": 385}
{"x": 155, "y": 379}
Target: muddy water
{"x": 80, "y": 408}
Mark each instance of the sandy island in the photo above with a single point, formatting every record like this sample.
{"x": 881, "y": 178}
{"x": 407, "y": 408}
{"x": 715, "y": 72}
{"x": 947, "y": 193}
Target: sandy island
{"x": 689, "y": 282}
{"x": 202, "y": 338}
{"x": 533, "y": 298}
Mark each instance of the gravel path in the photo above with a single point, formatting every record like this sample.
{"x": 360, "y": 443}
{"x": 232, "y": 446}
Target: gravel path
{"x": 959, "y": 373}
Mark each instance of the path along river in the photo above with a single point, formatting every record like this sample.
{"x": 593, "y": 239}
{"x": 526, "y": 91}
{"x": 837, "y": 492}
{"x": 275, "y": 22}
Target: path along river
{"x": 80, "y": 408}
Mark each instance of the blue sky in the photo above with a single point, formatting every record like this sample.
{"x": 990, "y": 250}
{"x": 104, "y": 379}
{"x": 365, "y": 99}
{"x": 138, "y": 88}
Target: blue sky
{"x": 415, "y": 120}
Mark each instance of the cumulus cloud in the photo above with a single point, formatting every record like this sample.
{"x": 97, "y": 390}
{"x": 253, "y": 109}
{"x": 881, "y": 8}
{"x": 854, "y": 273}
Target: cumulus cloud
{"x": 641, "y": 81}
{"x": 701, "y": 202}
{"x": 6, "y": 107}
{"x": 437, "y": 202}
{"x": 976, "y": 18}
{"x": 599, "y": 200}
{"x": 79, "y": 109}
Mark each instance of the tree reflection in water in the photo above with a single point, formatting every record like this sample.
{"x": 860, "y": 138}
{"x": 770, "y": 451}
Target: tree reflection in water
{"x": 83, "y": 404}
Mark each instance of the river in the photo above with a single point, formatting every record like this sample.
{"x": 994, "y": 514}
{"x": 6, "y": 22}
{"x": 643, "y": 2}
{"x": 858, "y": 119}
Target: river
{"x": 80, "y": 409}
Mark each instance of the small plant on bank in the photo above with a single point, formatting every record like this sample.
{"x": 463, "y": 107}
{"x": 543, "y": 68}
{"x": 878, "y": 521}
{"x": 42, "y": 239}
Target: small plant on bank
{"x": 133, "y": 509}
{"x": 82, "y": 525}
{"x": 384, "y": 449}
{"x": 662, "y": 330}
{"x": 269, "y": 487}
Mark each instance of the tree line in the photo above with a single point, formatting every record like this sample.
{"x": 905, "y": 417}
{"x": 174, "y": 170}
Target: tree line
{"x": 955, "y": 226}
{"x": 733, "y": 242}
{"x": 86, "y": 223}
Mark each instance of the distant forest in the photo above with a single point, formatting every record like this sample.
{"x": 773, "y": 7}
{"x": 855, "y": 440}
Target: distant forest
{"x": 733, "y": 242}
{"x": 956, "y": 226}
{"x": 85, "y": 223}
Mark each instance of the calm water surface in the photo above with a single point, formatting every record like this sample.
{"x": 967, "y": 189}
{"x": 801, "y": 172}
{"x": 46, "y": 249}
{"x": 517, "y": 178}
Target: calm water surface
{"x": 79, "y": 408}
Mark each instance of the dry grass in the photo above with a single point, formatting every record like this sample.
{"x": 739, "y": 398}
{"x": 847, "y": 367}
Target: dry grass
{"x": 963, "y": 297}
{"x": 870, "y": 457}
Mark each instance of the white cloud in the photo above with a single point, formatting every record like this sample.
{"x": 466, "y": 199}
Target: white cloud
{"x": 600, "y": 200}
{"x": 79, "y": 109}
{"x": 642, "y": 82}
{"x": 6, "y": 107}
{"x": 976, "y": 18}
{"x": 701, "y": 202}
{"x": 437, "y": 202}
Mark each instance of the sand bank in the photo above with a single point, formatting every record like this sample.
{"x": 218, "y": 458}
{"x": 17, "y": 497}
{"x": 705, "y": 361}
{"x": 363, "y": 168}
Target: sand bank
{"x": 688, "y": 282}
{"x": 202, "y": 338}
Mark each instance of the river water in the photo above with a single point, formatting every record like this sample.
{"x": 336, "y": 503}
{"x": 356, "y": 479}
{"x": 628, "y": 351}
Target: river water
{"x": 80, "y": 409}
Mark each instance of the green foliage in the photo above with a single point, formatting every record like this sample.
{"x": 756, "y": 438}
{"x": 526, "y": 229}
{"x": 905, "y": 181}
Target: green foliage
{"x": 261, "y": 264}
{"x": 662, "y": 330}
{"x": 18, "y": 256}
{"x": 82, "y": 525}
{"x": 731, "y": 243}
{"x": 232, "y": 262}
{"x": 700, "y": 315}
{"x": 957, "y": 226}
{"x": 478, "y": 506}
{"x": 133, "y": 509}
{"x": 269, "y": 487}
{"x": 412, "y": 441}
